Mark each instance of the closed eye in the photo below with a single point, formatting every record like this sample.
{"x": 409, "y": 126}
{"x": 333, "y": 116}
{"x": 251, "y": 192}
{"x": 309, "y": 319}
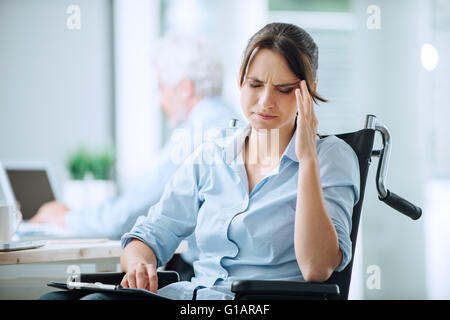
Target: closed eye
{"x": 286, "y": 91}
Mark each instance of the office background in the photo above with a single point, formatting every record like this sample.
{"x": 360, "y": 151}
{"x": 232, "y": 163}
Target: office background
{"x": 94, "y": 85}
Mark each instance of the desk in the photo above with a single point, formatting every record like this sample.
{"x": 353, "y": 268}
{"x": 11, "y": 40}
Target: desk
{"x": 64, "y": 250}
{"x": 25, "y": 273}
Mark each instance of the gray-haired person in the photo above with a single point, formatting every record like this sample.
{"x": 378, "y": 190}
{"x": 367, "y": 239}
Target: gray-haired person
{"x": 190, "y": 79}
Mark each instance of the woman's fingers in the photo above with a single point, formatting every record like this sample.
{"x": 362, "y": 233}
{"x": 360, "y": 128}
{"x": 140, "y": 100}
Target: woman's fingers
{"x": 124, "y": 282}
{"x": 132, "y": 278}
{"x": 153, "y": 278}
{"x": 298, "y": 97}
{"x": 308, "y": 104}
{"x": 142, "y": 276}
{"x": 306, "y": 99}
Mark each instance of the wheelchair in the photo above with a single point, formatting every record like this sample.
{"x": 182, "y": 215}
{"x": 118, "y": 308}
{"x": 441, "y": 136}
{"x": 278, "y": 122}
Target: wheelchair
{"x": 337, "y": 286}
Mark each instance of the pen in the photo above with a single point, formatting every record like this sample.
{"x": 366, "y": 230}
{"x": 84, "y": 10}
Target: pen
{"x": 96, "y": 285}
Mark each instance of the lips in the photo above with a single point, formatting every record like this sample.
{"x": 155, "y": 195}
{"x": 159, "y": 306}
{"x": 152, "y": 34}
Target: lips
{"x": 265, "y": 116}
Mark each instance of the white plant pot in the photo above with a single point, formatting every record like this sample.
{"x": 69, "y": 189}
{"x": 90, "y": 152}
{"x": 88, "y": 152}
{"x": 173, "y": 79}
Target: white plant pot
{"x": 80, "y": 194}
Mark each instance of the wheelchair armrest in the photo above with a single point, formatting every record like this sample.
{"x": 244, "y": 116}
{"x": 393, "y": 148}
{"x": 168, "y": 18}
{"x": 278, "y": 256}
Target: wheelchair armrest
{"x": 164, "y": 277}
{"x": 274, "y": 289}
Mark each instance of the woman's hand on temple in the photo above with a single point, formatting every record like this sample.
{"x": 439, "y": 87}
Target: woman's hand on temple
{"x": 141, "y": 276}
{"x": 305, "y": 144}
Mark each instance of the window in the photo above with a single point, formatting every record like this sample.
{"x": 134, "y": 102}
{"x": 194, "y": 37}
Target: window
{"x": 308, "y": 5}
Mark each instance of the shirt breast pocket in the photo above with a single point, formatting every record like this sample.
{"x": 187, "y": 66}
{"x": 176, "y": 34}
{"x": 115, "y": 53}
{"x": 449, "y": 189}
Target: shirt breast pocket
{"x": 212, "y": 223}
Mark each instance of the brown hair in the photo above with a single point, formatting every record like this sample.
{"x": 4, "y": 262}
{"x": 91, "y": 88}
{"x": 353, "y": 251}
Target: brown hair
{"x": 291, "y": 42}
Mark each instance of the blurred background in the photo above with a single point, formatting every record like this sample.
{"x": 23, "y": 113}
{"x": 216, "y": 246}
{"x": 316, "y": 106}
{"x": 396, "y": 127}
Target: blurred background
{"x": 66, "y": 82}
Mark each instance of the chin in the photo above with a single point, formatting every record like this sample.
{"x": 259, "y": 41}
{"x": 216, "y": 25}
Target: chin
{"x": 260, "y": 125}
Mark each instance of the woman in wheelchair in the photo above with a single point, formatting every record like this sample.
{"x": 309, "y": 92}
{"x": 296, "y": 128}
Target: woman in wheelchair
{"x": 267, "y": 201}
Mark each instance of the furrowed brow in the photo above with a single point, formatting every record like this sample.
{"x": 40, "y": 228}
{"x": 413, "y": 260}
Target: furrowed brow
{"x": 296, "y": 83}
{"x": 255, "y": 79}
{"x": 281, "y": 85}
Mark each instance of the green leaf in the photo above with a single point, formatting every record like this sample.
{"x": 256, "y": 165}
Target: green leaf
{"x": 78, "y": 163}
{"x": 101, "y": 164}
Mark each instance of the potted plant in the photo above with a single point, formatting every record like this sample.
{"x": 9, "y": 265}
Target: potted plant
{"x": 90, "y": 181}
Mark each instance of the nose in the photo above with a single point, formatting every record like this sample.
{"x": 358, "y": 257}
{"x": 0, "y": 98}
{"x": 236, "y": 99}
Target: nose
{"x": 267, "y": 99}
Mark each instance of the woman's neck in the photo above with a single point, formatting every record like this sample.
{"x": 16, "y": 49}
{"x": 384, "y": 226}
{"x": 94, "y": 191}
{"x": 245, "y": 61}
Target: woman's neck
{"x": 266, "y": 146}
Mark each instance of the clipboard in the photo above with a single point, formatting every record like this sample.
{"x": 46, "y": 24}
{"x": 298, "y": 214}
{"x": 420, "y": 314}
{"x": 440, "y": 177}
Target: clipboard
{"x": 106, "y": 288}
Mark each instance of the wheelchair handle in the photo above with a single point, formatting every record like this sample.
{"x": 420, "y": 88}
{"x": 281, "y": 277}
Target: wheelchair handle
{"x": 394, "y": 201}
{"x": 401, "y": 205}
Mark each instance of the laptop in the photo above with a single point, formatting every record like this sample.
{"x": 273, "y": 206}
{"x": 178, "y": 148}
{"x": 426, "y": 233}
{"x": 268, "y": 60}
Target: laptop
{"x": 27, "y": 185}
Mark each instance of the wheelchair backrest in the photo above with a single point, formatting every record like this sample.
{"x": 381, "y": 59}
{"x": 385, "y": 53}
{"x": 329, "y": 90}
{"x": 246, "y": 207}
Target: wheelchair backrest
{"x": 362, "y": 143}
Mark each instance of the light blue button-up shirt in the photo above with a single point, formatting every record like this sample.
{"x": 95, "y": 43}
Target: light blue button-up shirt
{"x": 118, "y": 215}
{"x": 242, "y": 235}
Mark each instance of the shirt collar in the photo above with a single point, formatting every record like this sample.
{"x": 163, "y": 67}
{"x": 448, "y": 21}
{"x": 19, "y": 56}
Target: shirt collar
{"x": 234, "y": 144}
{"x": 290, "y": 149}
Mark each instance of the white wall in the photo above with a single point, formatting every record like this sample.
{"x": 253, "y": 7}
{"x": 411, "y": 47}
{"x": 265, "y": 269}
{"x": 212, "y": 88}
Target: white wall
{"x": 56, "y": 85}
{"x": 227, "y": 24}
{"x": 138, "y": 116}
{"x": 437, "y": 219}
{"x": 391, "y": 84}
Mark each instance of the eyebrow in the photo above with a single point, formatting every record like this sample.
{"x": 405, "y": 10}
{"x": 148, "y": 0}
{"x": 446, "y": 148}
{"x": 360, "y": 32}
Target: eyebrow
{"x": 277, "y": 85}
